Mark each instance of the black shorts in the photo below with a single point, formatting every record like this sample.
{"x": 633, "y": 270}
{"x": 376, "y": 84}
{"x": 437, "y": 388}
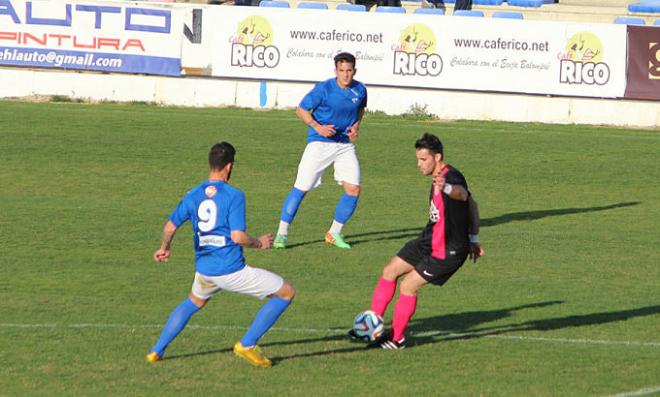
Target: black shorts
{"x": 435, "y": 271}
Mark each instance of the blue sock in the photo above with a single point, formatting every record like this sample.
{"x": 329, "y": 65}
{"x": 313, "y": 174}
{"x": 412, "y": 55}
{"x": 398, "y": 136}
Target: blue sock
{"x": 345, "y": 208}
{"x": 265, "y": 318}
{"x": 291, "y": 204}
{"x": 174, "y": 325}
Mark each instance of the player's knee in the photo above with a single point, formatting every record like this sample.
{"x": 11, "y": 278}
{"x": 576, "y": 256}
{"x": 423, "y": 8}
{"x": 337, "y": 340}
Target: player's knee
{"x": 411, "y": 284}
{"x": 352, "y": 190}
{"x": 408, "y": 288}
{"x": 396, "y": 268}
{"x": 390, "y": 272}
{"x": 286, "y": 291}
{"x": 199, "y": 302}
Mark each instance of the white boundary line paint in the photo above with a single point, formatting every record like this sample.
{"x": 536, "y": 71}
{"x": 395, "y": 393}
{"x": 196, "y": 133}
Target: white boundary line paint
{"x": 641, "y": 392}
{"x": 439, "y": 334}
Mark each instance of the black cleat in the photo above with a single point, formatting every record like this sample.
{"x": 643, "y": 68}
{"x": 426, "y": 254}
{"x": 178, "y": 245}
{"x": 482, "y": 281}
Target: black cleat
{"x": 385, "y": 342}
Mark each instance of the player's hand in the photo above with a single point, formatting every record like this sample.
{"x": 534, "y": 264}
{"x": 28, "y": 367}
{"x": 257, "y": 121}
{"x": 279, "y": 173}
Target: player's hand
{"x": 162, "y": 255}
{"x": 326, "y": 130}
{"x": 476, "y": 251}
{"x": 439, "y": 180}
{"x": 353, "y": 132}
{"x": 266, "y": 241}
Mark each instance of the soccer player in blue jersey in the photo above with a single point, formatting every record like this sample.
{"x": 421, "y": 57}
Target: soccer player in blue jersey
{"x": 216, "y": 211}
{"x": 332, "y": 111}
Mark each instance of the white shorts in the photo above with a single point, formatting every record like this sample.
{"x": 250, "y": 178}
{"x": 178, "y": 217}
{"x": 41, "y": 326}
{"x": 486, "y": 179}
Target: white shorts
{"x": 249, "y": 280}
{"x": 319, "y": 155}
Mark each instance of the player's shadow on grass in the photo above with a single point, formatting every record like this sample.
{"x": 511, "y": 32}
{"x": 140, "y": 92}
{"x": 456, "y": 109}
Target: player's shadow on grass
{"x": 188, "y": 355}
{"x": 441, "y": 328}
{"x": 458, "y": 326}
{"x": 352, "y": 237}
{"x": 326, "y": 338}
{"x": 447, "y": 324}
{"x": 467, "y": 321}
{"x": 410, "y": 232}
{"x": 357, "y": 346}
{"x": 534, "y": 215}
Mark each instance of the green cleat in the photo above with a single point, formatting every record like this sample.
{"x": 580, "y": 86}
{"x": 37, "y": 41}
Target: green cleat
{"x": 337, "y": 240}
{"x": 279, "y": 242}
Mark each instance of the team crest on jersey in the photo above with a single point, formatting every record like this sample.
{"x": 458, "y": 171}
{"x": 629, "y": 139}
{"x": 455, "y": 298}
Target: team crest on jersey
{"x": 210, "y": 191}
{"x": 434, "y": 214}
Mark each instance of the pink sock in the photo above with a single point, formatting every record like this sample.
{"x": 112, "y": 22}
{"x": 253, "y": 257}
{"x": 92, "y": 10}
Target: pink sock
{"x": 403, "y": 310}
{"x": 383, "y": 295}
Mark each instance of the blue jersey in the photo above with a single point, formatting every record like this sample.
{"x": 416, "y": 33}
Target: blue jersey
{"x": 214, "y": 209}
{"x": 333, "y": 105}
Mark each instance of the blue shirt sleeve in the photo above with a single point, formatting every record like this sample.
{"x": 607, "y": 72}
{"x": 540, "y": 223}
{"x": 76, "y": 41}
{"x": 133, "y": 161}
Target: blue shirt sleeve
{"x": 237, "y": 213}
{"x": 180, "y": 214}
{"x": 313, "y": 98}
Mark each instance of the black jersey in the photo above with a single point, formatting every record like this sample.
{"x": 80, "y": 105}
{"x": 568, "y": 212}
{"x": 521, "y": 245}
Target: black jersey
{"x": 446, "y": 233}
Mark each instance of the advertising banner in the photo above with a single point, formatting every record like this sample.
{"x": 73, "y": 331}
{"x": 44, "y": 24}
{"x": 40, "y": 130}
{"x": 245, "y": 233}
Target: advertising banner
{"x": 643, "y": 62}
{"x": 412, "y": 50}
{"x": 88, "y": 35}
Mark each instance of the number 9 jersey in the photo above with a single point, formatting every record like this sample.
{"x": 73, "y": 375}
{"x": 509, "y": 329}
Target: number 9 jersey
{"x": 214, "y": 208}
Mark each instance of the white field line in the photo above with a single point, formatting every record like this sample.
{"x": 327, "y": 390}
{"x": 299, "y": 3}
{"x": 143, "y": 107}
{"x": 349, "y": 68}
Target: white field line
{"x": 439, "y": 334}
{"x": 641, "y": 392}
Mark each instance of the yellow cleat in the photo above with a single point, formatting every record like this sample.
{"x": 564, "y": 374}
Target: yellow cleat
{"x": 153, "y": 357}
{"x": 252, "y": 355}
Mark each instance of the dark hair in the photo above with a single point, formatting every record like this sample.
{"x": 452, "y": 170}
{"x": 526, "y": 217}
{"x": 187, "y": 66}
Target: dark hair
{"x": 220, "y": 155}
{"x": 429, "y": 142}
{"x": 345, "y": 57}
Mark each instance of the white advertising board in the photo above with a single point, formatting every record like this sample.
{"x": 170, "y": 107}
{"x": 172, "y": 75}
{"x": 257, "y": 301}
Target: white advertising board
{"x": 411, "y": 50}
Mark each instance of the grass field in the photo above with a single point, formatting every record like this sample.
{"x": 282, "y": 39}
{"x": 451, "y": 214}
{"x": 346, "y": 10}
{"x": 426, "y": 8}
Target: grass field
{"x": 566, "y": 301}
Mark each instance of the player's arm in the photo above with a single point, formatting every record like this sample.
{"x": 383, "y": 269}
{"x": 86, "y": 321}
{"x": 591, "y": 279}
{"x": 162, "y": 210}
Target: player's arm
{"x": 473, "y": 229}
{"x": 306, "y": 117}
{"x": 453, "y": 190}
{"x": 354, "y": 130}
{"x": 162, "y": 254}
{"x": 237, "y": 225}
{"x": 245, "y": 240}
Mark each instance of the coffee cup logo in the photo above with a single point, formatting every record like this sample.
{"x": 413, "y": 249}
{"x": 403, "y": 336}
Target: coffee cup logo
{"x": 581, "y": 61}
{"x": 414, "y": 54}
{"x": 252, "y": 44}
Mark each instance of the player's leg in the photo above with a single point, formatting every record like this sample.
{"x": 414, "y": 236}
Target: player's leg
{"x": 268, "y": 314}
{"x": 404, "y": 309}
{"x": 314, "y": 161}
{"x": 403, "y": 263}
{"x": 261, "y": 284}
{"x": 347, "y": 172}
{"x": 428, "y": 270}
{"x": 386, "y": 286}
{"x": 289, "y": 210}
{"x": 179, "y": 318}
{"x": 405, "y": 306}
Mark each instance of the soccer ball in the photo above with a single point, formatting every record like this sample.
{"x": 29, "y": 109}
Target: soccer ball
{"x": 368, "y": 325}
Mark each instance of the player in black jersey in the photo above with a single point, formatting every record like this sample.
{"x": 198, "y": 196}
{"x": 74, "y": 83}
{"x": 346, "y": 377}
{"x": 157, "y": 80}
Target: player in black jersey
{"x": 449, "y": 238}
